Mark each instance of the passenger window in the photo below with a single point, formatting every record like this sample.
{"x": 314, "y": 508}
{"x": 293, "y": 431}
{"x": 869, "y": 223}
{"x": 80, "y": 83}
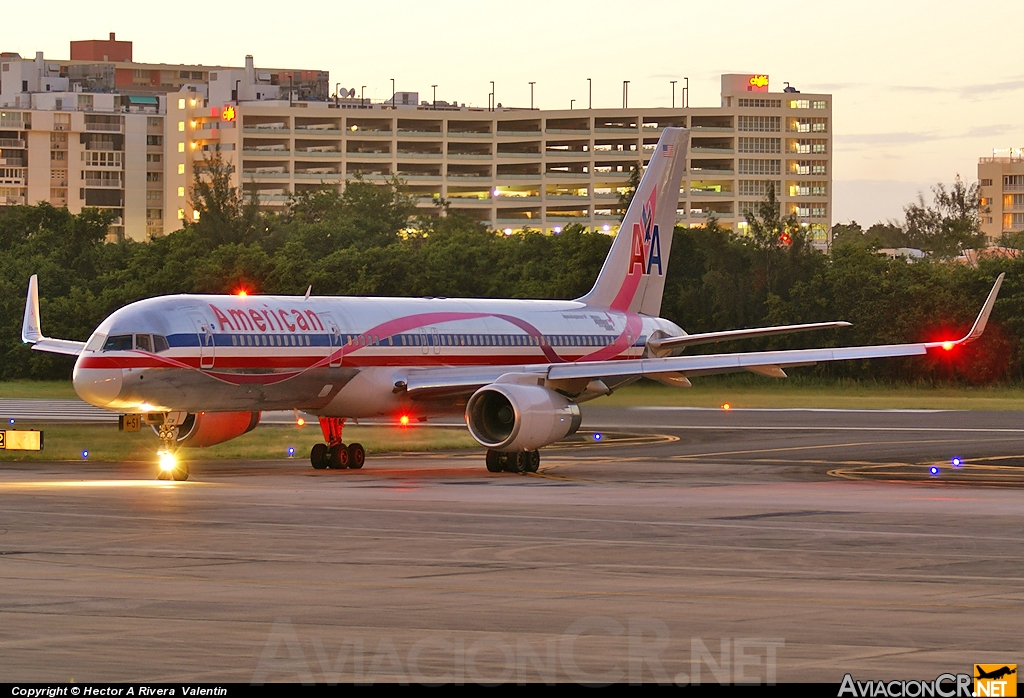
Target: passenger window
{"x": 119, "y": 342}
{"x": 160, "y": 343}
{"x": 143, "y": 342}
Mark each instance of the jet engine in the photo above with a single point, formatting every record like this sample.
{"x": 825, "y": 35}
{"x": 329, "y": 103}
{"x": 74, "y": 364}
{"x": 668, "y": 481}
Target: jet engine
{"x": 512, "y": 417}
{"x": 209, "y": 428}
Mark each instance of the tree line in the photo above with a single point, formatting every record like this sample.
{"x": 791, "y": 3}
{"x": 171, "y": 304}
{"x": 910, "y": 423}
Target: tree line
{"x": 372, "y": 240}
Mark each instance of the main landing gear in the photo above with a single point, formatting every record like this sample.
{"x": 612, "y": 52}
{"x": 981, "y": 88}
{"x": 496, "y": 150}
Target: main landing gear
{"x": 521, "y": 462}
{"x": 335, "y": 454}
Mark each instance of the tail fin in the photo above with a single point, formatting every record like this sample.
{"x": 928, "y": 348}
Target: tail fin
{"x": 633, "y": 276}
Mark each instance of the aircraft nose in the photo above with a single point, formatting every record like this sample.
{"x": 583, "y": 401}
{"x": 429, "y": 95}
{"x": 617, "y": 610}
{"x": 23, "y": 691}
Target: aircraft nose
{"x": 97, "y": 386}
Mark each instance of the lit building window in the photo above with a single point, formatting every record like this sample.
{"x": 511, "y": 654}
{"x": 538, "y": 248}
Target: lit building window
{"x": 181, "y": 191}
{"x": 181, "y": 214}
{"x": 181, "y": 126}
{"x": 181, "y": 169}
{"x": 181, "y": 147}
{"x": 181, "y": 104}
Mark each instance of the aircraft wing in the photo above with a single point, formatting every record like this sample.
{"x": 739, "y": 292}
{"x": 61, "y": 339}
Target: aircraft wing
{"x": 433, "y": 382}
{"x": 691, "y": 340}
{"x": 32, "y": 334}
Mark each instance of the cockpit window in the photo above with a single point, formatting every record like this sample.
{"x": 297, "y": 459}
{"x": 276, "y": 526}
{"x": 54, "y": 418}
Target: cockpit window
{"x": 95, "y": 342}
{"x": 143, "y": 342}
{"x": 159, "y": 343}
{"x": 118, "y": 342}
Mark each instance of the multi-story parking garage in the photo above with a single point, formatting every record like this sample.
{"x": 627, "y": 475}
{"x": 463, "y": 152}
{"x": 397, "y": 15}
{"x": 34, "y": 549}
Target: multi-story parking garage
{"x": 515, "y": 168}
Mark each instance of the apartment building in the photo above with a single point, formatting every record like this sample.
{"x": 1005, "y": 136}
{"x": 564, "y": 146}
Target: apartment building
{"x": 102, "y": 130}
{"x": 90, "y": 151}
{"x": 515, "y": 168}
{"x": 1001, "y": 186}
{"x": 91, "y": 132}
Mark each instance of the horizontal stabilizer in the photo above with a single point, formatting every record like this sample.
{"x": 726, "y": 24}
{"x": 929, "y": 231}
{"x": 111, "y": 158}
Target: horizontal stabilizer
{"x": 31, "y": 332}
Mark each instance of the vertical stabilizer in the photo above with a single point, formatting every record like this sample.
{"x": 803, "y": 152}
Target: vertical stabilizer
{"x": 633, "y": 276}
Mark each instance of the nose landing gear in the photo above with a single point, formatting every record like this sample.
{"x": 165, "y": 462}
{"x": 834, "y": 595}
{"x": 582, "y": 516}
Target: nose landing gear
{"x": 335, "y": 454}
{"x": 169, "y": 468}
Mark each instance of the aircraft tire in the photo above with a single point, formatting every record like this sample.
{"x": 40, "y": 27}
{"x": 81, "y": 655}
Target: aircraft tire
{"x": 163, "y": 475}
{"x": 180, "y": 473}
{"x": 338, "y": 457}
{"x": 532, "y": 461}
{"x": 356, "y": 456}
{"x": 516, "y": 462}
{"x": 494, "y": 461}
{"x": 318, "y": 456}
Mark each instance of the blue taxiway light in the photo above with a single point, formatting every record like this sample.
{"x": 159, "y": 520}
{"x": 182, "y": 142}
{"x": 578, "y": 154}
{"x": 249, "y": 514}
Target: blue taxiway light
{"x": 85, "y": 454}
{"x": 10, "y": 421}
{"x": 597, "y": 436}
{"x": 291, "y": 451}
{"x": 957, "y": 462}
{"x": 933, "y": 470}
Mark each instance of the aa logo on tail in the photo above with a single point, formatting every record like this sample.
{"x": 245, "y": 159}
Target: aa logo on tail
{"x": 646, "y": 244}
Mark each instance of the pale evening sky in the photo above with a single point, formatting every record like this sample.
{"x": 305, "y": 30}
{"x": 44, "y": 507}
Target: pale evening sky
{"x": 921, "y": 89}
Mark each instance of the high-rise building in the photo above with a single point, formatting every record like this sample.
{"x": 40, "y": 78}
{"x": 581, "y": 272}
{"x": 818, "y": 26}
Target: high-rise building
{"x": 283, "y": 135}
{"x": 1001, "y": 186}
{"x": 90, "y": 131}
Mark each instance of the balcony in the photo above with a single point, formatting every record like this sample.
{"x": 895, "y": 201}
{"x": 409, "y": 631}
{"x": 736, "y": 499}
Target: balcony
{"x": 266, "y": 153}
{"x": 318, "y": 173}
{"x": 1013, "y": 187}
{"x": 112, "y": 128}
{"x": 12, "y": 143}
{"x": 103, "y": 183}
{"x": 407, "y": 155}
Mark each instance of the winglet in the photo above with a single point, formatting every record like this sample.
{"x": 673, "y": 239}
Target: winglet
{"x": 986, "y": 310}
{"x": 979, "y": 324}
{"x": 30, "y": 332}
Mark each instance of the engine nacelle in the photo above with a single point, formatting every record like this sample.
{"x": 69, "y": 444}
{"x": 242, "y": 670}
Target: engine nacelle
{"x": 209, "y": 428}
{"x": 514, "y": 417}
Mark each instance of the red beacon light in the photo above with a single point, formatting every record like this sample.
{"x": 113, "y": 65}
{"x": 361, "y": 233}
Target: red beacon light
{"x": 948, "y": 346}
{"x": 404, "y": 420}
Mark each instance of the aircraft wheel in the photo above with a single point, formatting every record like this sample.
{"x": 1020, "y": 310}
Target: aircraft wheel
{"x": 356, "y": 456}
{"x": 338, "y": 457}
{"x": 494, "y": 461}
{"x": 318, "y": 456}
{"x": 180, "y": 473}
{"x": 516, "y": 462}
{"x": 163, "y": 475}
{"x": 532, "y": 461}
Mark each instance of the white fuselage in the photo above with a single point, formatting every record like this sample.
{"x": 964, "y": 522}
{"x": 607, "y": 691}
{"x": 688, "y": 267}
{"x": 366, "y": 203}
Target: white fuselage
{"x": 340, "y": 356}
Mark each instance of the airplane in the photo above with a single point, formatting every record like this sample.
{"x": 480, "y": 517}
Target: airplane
{"x": 200, "y": 369}
{"x": 995, "y": 674}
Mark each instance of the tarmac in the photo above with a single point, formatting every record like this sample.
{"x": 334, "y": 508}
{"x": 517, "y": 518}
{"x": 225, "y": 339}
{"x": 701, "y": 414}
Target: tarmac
{"x": 679, "y": 546}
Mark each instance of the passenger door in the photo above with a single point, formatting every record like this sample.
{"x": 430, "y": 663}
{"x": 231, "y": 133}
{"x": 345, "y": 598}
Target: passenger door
{"x": 204, "y": 333}
{"x": 334, "y": 332}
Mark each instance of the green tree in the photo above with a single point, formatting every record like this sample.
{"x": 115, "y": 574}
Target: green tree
{"x": 225, "y": 215}
{"x": 950, "y": 224}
